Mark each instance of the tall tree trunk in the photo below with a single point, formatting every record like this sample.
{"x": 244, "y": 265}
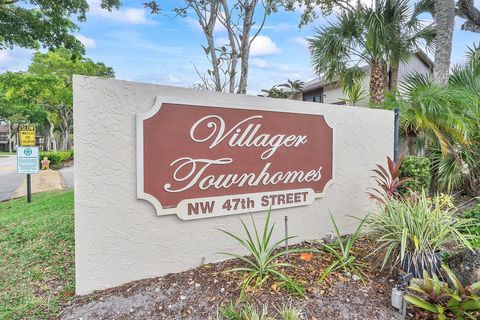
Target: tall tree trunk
{"x": 377, "y": 82}
{"x": 53, "y": 140}
{"x": 445, "y": 20}
{"x": 393, "y": 77}
{"x": 9, "y": 138}
{"x": 227, "y": 23}
{"x": 245, "y": 46}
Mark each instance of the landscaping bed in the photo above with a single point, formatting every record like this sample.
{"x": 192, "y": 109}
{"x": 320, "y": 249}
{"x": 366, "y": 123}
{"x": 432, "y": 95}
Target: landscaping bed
{"x": 198, "y": 293}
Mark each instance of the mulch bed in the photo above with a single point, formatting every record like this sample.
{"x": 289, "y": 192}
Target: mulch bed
{"x": 197, "y": 293}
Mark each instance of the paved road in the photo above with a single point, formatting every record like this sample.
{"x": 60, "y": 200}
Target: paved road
{"x": 9, "y": 179}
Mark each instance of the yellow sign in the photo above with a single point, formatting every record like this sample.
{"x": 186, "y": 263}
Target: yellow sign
{"x": 27, "y": 135}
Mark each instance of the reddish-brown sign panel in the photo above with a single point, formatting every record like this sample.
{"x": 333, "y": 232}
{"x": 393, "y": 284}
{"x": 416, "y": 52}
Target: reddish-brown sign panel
{"x": 167, "y": 138}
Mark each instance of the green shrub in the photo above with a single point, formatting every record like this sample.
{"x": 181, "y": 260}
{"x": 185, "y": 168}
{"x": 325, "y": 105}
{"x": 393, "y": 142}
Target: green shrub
{"x": 418, "y": 169}
{"x": 57, "y": 158}
{"x": 473, "y": 214}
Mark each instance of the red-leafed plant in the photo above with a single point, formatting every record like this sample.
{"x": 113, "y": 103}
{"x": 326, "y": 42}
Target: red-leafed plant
{"x": 388, "y": 181}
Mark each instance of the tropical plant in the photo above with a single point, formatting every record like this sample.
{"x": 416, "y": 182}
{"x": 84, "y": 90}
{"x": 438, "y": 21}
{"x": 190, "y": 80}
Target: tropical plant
{"x": 413, "y": 231}
{"x": 388, "y": 181}
{"x": 354, "y": 92}
{"x": 358, "y": 38}
{"x": 443, "y": 301}
{"x": 441, "y": 122}
{"x": 262, "y": 263}
{"x": 342, "y": 253}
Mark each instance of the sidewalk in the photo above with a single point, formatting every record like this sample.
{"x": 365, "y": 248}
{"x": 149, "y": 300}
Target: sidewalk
{"x": 46, "y": 180}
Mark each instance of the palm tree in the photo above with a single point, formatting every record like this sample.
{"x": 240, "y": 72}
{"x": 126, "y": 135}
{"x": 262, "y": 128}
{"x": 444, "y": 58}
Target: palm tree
{"x": 293, "y": 86}
{"x": 275, "y": 92}
{"x": 444, "y": 16}
{"x": 440, "y": 122}
{"x": 409, "y": 33}
{"x": 387, "y": 33}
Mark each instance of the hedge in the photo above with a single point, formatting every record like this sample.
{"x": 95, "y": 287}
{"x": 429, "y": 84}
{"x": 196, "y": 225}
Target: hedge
{"x": 417, "y": 168}
{"x": 57, "y": 158}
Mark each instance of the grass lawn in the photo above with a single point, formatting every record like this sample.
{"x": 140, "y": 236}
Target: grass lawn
{"x": 4, "y": 154}
{"x": 36, "y": 255}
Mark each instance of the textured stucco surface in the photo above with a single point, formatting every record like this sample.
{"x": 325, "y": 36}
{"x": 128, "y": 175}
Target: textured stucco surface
{"x": 119, "y": 238}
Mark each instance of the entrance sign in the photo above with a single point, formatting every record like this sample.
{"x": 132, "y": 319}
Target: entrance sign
{"x": 28, "y": 161}
{"x": 27, "y": 135}
{"x": 203, "y": 160}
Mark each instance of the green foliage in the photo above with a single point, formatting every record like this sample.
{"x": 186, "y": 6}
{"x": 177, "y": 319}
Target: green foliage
{"x": 246, "y": 311}
{"x": 418, "y": 169}
{"x": 275, "y": 92}
{"x": 289, "y": 313}
{"x": 442, "y": 123}
{"x": 440, "y": 299}
{"x": 355, "y": 93}
{"x": 262, "y": 263}
{"x": 416, "y": 228}
{"x": 341, "y": 250}
{"x": 43, "y": 95}
{"x": 473, "y": 214}
{"x": 35, "y": 23}
{"x": 37, "y": 273}
{"x": 57, "y": 158}
{"x": 358, "y": 38}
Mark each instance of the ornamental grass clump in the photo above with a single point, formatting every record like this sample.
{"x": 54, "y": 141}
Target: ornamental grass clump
{"x": 411, "y": 232}
{"x": 262, "y": 262}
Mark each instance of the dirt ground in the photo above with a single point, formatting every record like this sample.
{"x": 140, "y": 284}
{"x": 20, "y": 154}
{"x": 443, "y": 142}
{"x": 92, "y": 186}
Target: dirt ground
{"x": 196, "y": 294}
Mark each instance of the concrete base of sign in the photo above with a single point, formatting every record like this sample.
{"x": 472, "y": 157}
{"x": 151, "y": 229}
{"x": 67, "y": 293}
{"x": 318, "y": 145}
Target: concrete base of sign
{"x": 119, "y": 238}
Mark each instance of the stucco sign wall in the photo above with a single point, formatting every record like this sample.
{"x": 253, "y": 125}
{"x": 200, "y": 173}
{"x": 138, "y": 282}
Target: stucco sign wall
{"x": 156, "y": 166}
{"x": 207, "y": 161}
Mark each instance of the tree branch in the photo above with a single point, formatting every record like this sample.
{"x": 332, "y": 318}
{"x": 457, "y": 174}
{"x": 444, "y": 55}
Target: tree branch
{"x": 466, "y": 9}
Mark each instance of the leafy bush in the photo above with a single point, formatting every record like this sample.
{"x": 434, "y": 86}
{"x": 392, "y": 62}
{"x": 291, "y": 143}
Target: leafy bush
{"x": 342, "y": 252}
{"x": 416, "y": 228}
{"x": 473, "y": 214}
{"x": 441, "y": 300}
{"x": 263, "y": 263}
{"x": 57, "y": 158}
{"x": 418, "y": 169}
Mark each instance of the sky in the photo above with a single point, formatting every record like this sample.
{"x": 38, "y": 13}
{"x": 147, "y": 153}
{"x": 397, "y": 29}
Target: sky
{"x": 162, "y": 49}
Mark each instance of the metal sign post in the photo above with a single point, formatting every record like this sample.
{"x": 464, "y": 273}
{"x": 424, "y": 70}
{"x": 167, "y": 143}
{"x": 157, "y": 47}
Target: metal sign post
{"x": 28, "y": 162}
{"x": 28, "y": 155}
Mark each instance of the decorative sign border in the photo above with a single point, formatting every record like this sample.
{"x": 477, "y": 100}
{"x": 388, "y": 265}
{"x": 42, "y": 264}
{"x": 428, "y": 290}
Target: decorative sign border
{"x": 159, "y": 100}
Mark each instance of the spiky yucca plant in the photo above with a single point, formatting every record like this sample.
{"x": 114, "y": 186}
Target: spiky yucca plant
{"x": 262, "y": 263}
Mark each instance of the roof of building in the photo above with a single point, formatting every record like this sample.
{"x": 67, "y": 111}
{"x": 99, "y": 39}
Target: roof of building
{"x": 320, "y": 83}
